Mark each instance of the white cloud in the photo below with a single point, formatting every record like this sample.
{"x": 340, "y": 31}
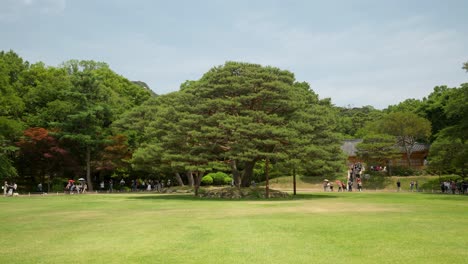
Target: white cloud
{"x": 365, "y": 64}
{"x": 356, "y": 64}
{"x": 360, "y": 65}
{"x": 13, "y": 10}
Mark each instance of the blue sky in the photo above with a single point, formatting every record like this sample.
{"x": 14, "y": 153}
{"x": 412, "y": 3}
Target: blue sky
{"x": 356, "y": 52}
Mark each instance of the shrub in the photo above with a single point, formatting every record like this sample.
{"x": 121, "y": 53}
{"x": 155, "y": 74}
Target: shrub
{"x": 434, "y": 183}
{"x": 227, "y": 180}
{"x": 219, "y": 178}
{"x": 56, "y": 186}
{"x": 404, "y": 171}
{"x": 207, "y": 180}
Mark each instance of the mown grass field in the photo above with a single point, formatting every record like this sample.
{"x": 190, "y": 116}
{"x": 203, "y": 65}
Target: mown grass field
{"x": 335, "y": 227}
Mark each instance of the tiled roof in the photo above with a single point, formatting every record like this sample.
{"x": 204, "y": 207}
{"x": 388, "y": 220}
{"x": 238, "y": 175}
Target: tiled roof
{"x": 349, "y": 147}
{"x": 417, "y": 147}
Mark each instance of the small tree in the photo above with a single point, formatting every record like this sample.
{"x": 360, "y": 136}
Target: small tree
{"x": 378, "y": 148}
{"x": 42, "y": 153}
{"x": 408, "y": 128}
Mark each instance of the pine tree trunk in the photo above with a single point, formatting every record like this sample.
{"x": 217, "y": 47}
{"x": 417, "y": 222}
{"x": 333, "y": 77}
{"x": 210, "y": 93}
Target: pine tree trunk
{"x": 267, "y": 178}
{"x": 294, "y": 179}
{"x": 408, "y": 158}
{"x": 179, "y": 179}
{"x": 190, "y": 178}
{"x": 198, "y": 177}
{"x": 247, "y": 173}
{"x": 88, "y": 169}
{"x": 235, "y": 174}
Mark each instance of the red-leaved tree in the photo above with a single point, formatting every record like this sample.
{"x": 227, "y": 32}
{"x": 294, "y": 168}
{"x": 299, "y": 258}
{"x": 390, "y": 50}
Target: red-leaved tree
{"x": 42, "y": 156}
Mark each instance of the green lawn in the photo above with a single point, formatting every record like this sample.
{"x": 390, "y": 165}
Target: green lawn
{"x": 312, "y": 228}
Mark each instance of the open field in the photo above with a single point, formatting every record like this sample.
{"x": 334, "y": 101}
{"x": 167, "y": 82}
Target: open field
{"x": 335, "y": 227}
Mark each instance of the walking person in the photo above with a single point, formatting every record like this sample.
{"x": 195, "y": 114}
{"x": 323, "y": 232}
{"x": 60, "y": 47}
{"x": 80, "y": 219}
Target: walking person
{"x": 111, "y": 185}
{"x": 464, "y": 186}
{"x": 85, "y": 187}
{"x": 5, "y": 188}
{"x": 411, "y": 185}
{"x": 122, "y": 185}
{"x": 158, "y": 186}
{"x": 102, "y": 185}
{"x": 134, "y": 185}
{"x": 398, "y": 184}
{"x": 453, "y": 186}
{"x": 416, "y": 186}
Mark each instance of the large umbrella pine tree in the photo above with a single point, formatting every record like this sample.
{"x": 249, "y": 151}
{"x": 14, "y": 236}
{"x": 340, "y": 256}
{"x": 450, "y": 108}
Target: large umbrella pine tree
{"x": 245, "y": 109}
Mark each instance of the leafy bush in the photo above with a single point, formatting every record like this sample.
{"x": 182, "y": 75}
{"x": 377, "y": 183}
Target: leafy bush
{"x": 404, "y": 171}
{"x": 207, "y": 180}
{"x": 276, "y": 170}
{"x": 57, "y": 186}
{"x": 434, "y": 184}
{"x": 227, "y": 180}
{"x": 220, "y": 178}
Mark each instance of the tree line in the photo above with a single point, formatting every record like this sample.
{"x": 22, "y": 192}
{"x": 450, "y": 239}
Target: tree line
{"x": 81, "y": 119}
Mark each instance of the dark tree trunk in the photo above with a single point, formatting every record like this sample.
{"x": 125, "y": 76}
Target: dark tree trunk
{"x": 294, "y": 179}
{"x": 179, "y": 179}
{"x": 408, "y": 158}
{"x": 247, "y": 173}
{"x": 389, "y": 168}
{"x": 88, "y": 169}
{"x": 190, "y": 178}
{"x": 267, "y": 179}
{"x": 235, "y": 174}
{"x": 198, "y": 177}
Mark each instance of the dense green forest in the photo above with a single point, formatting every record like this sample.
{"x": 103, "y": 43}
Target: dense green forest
{"x": 81, "y": 119}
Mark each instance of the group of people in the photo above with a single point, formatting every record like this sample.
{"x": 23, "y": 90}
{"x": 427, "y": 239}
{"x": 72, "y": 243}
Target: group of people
{"x": 72, "y": 187}
{"x": 353, "y": 180}
{"x": 136, "y": 185}
{"x": 354, "y": 177}
{"x": 453, "y": 186}
{"x": 378, "y": 168}
{"x": 414, "y": 186}
{"x": 9, "y": 189}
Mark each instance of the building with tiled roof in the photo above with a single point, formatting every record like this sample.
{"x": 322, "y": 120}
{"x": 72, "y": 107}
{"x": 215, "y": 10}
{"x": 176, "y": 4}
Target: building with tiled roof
{"x": 418, "y": 156}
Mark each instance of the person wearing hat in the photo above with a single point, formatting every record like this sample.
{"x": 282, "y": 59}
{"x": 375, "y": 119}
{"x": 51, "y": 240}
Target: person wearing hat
{"x": 326, "y": 185}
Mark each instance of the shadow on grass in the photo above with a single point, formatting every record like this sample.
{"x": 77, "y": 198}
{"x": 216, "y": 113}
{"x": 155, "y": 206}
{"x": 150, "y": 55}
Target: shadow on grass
{"x": 191, "y": 197}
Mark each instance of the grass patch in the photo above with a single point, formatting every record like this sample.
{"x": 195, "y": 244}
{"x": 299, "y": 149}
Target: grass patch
{"x": 161, "y": 228}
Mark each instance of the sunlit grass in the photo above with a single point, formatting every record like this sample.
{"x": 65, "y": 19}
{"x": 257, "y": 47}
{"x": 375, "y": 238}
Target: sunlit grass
{"x": 313, "y": 228}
